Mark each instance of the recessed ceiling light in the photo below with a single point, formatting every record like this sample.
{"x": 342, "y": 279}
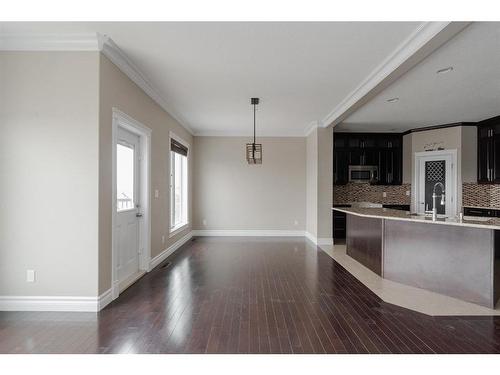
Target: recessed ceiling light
{"x": 392, "y": 100}
{"x": 445, "y": 70}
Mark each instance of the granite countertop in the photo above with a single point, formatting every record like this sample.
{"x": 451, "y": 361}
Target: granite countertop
{"x": 390, "y": 214}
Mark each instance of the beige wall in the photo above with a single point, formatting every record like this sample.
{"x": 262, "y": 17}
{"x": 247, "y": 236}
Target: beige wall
{"x": 117, "y": 90}
{"x": 319, "y": 194}
{"x": 469, "y": 154}
{"x": 325, "y": 178}
{"x": 312, "y": 183}
{"x": 48, "y": 173}
{"x": 229, "y": 194}
{"x": 407, "y": 158}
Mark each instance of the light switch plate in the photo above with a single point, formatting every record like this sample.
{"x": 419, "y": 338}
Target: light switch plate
{"x": 157, "y": 193}
{"x": 30, "y": 276}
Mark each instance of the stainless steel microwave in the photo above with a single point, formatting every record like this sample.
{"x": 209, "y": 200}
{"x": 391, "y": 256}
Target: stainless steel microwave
{"x": 363, "y": 173}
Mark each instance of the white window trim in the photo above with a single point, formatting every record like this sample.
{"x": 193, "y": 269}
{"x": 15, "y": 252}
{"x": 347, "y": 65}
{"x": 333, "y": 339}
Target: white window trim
{"x": 178, "y": 229}
{"x": 173, "y": 231}
{"x": 456, "y": 185}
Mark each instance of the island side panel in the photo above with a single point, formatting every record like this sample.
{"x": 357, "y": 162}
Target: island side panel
{"x": 364, "y": 241}
{"x": 451, "y": 260}
{"x": 496, "y": 268}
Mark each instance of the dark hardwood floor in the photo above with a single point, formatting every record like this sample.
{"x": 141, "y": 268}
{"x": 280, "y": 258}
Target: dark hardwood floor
{"x": 248, "y": 295}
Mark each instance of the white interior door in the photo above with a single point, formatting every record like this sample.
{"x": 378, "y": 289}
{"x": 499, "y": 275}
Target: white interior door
{"x": 432, "y": 168}
{"x": 127, "y": 206}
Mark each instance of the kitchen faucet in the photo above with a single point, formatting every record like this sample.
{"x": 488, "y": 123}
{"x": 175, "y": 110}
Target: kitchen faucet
{"x": 434, "y": 196}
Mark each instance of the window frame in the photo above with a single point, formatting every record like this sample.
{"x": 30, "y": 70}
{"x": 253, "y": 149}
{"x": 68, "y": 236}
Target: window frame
{"x": 174, "y": 230}
{"x": 135, "y": 193}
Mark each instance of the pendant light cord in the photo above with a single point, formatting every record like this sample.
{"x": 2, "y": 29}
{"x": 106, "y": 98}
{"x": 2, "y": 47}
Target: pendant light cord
{"x": 254, "y": 124}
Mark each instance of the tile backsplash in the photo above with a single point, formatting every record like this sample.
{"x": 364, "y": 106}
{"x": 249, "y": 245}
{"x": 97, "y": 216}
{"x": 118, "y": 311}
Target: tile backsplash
{"x": 364, "y": 192}
{"x": 473, "y": 194}
{"x": 480, "y": 195}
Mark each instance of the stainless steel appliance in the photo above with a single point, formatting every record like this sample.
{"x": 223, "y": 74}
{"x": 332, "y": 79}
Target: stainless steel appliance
{"x": 363, "y": 173}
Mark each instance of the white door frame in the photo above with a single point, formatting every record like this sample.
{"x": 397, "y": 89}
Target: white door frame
{"x": 453, "y": 189}
{"x": 122, "y": 120}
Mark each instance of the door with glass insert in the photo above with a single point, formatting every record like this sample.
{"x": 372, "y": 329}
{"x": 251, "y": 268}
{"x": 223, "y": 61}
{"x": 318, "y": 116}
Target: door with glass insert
{"x": 127, "y": 207}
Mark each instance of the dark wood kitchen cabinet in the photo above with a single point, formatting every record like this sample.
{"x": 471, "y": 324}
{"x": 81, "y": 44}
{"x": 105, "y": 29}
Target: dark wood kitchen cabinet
{"x": 383, "y": 150}
{"x": 339, "y": 224}
{"x": 340, "y": 167}
{"x": 488, "y": 151}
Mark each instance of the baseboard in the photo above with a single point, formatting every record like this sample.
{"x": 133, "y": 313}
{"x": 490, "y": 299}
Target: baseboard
{"x": 170, "y": 250}
{"x": 55, "y": 303}
{"x": 104, "y": 299}
{"x": 248, "y": 233}
{"x": 325, "y": 241}
{"x": 319, "y": 241}
{"x": 311, "y": 237}
{"x": 94, "y": 304}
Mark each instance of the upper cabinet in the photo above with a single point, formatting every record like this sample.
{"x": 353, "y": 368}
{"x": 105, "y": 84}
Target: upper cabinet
{"x": 383, "y": 150}
{"x": 488, "y": 151}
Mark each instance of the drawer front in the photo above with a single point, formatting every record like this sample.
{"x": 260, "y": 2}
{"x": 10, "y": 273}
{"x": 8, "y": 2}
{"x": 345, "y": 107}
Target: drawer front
{"x": 485, "y": 212}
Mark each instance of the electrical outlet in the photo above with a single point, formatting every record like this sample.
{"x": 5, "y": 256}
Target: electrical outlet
{"x": 30, "y": 276}
{"x": 384, "y": 194}
{"x": 407, "y": 193}
{"x": 205, "y": 222}
{"x": 157, "y": 193}
{"x": 296, "y": 222}
{"x": 163, "y": 240}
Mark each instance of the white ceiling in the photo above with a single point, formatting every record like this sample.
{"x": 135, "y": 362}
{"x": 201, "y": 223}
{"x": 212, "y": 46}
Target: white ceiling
{"x": 207, "y": 72}
{"x": 471, "y": 92}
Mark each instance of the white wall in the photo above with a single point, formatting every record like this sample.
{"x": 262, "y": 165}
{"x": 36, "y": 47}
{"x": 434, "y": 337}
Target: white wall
{"x": 49, "y": 150}
{"x": 229, "y": 194}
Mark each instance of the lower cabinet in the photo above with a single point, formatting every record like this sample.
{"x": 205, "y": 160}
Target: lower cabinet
{"x": 339, "y": 225}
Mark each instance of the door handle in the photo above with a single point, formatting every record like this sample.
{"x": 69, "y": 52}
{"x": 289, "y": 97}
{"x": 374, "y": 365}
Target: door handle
{"x": 138, "y": 214}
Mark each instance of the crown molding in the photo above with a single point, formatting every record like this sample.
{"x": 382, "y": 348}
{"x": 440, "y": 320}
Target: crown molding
{"x": 109, "y": 49}
{"x": 49, "y": 42}
{"x": 287, "y": 133}
{"x": 422, "y": 42}
{"x": 310, "y": 128}
{"x": 89, "y": 42}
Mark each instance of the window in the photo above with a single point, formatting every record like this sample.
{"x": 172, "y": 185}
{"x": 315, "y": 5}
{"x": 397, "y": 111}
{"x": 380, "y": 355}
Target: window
{"x": 178, "y": 185}
{"x": 124, "y": 177}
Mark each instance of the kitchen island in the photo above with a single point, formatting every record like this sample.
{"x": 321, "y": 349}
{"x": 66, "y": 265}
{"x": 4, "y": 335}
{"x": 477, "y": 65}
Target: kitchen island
{"x": 460, "y": 259}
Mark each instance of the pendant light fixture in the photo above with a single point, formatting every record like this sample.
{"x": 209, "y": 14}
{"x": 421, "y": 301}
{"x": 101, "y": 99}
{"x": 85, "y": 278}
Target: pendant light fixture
{"x": 254, "y": 150}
